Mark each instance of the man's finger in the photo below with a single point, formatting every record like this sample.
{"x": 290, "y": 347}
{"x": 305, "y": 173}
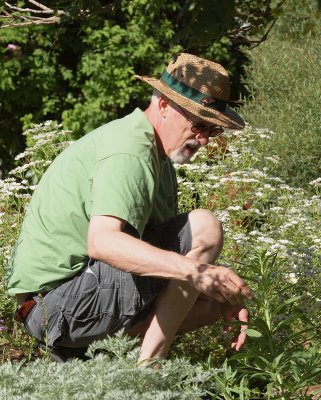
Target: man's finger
{"x": 218, "y": 297}
{"x": 231, "y": 293}
{"x": 237, "y": 281}
{"x": 243, "y": 316}
{"x": 222, "y": 290}
{"x": 238, "y": 341}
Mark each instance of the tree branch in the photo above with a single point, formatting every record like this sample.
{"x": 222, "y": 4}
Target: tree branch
{"x": 39, "y": 5}
{"x": 14, "y": 16}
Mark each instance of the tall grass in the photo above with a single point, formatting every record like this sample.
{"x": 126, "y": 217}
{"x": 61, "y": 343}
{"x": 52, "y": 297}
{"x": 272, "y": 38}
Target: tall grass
{"x": 284, "y": 82}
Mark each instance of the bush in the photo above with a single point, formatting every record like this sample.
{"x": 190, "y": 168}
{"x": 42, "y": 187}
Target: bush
{"x": 81, "y": 71}
{"x": 113, "y": 375}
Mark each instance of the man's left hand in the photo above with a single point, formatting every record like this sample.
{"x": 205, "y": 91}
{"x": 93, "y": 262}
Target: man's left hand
{"x": 240, "y": 313}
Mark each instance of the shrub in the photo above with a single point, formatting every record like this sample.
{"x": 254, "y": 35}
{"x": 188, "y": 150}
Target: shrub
{"x": 45, "y": 141}
{"x": 113, "y": 375}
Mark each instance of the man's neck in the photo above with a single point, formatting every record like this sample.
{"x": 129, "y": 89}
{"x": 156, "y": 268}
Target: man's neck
{"x": 152, "y": 118}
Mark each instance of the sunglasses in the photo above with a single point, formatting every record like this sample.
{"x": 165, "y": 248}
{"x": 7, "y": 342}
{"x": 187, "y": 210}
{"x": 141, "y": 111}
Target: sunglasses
{"x": 201, "y": 127}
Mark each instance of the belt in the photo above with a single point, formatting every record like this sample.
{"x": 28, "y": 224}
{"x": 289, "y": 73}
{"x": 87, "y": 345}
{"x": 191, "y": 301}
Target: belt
{"x": 24, "y": 309}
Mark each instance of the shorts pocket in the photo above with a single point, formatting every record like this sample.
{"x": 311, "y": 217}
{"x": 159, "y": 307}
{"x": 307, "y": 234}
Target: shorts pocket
{"x": 82, "y": 332}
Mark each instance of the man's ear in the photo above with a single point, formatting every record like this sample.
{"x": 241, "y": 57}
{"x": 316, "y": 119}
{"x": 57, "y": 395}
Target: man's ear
{"x": 163, "y": 104}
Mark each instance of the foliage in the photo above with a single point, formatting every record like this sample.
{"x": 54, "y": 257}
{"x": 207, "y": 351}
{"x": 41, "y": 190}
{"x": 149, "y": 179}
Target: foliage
{"x": 200, "y": 22}
{"x": 283, "y": 79}
{"x": 34, "y": 82}
{"x": 45, "y": 142}
{"x": 112, "y": 56}
{"x": 258, "y": 211}
{"x": 279, "y": 359}
{"x": 271, "y": 239}
{"x": 81, "y": 72}
{"x": 112, "y": 376}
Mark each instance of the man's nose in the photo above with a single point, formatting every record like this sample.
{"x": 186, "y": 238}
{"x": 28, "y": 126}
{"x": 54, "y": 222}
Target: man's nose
{"x": 203, "y": 138}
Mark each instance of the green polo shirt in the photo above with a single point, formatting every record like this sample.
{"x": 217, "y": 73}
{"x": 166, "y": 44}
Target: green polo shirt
{"x": 114, "y": 170}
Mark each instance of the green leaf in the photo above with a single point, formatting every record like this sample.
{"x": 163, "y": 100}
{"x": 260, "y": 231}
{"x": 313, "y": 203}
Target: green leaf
{"x": 293, "y": 299}
{"x": 252, "y": 333}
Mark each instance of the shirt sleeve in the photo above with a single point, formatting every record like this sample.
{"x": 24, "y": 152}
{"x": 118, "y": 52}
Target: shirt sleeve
{"x": 124, "y": 187}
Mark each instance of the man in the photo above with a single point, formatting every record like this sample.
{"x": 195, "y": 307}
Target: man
{"x": 102, "y": 247}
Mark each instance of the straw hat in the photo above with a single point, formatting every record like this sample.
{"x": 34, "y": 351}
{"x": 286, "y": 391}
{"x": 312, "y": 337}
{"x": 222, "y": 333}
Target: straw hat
{"x": 201, "y": 87}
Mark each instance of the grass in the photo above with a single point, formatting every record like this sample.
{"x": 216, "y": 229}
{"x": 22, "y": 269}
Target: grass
{"x": 284, "y": 83}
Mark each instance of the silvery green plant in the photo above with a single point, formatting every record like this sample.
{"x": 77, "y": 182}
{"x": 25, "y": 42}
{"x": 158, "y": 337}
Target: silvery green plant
{"x": 111, "y": 374}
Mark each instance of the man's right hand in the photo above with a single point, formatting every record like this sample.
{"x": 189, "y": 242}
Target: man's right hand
{"x": 220, "y": 283}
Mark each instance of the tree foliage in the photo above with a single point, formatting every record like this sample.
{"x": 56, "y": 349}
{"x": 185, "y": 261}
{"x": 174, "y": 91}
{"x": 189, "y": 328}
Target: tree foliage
{"x": 78, "y": 66}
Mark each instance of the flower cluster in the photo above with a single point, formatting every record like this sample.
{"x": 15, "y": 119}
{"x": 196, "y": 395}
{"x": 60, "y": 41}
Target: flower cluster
{"x": 45, "y": 142}
{"x": 257, "y": 210}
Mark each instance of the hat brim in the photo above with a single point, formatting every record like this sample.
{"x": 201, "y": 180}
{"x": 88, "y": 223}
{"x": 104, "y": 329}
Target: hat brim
{"x": 227, "y": 119}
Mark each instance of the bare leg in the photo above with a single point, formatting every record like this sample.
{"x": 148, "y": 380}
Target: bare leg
{"x": 180, "y": 308}
{"x": 205, "y": 311}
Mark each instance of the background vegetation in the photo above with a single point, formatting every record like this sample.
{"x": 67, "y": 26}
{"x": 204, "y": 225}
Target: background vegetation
{"x": 272, "y": 238}
{"x": 81, "y": 71}
{"x": 283, "y": 80}
{"x": 263, "y": 183}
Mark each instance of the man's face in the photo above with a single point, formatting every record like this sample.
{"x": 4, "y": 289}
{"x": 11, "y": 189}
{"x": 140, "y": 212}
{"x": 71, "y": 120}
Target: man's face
{"x": 187, "y": 138}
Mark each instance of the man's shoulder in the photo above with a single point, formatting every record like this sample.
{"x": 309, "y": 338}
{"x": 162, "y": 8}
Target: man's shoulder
{"x": 136, "y": 120}
{"x": 131, "y": 135}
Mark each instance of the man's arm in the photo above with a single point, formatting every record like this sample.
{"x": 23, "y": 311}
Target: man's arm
{"x": 108, "y": 243}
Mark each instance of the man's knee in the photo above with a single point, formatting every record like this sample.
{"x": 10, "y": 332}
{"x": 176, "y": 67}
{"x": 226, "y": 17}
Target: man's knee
{"x": 207, "y": 231}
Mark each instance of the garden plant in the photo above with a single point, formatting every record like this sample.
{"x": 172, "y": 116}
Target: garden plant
{"x": 263, "y": 183}
{"x": 271, "y": 238}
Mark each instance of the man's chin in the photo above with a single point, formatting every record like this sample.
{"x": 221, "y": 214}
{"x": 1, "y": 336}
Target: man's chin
{"x": 184, "y": 154}
{"x": 181, "y": 158}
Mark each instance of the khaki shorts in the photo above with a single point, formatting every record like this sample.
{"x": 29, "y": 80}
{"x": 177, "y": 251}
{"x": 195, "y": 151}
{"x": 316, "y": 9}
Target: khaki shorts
{"x": 100, "y": 300}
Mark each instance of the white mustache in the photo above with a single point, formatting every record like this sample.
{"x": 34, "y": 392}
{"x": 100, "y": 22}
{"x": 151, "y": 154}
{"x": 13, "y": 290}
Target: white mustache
{"x": 192, "y": 143}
